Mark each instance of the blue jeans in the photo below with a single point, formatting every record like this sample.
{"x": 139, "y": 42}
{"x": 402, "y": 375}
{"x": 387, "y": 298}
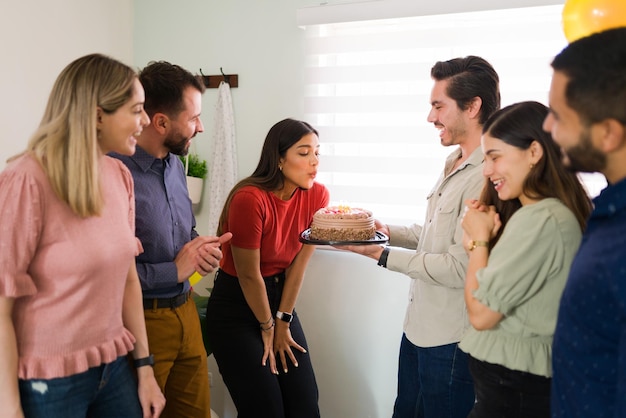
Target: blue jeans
{"x": 433, "y": 382}
{"x": 106, "y": 391}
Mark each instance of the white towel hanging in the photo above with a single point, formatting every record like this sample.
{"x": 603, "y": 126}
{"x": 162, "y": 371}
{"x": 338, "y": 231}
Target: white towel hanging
{"x": 223, "y": 169}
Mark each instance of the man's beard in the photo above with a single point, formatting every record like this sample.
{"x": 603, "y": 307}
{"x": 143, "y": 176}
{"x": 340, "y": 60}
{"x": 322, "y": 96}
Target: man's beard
{"x": 584, "y": 157}
{"x": 457, "y": 130}
{"x": 178, "y": 146}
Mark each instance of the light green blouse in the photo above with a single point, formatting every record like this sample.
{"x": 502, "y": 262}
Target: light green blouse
{"x": 523, "y": 280}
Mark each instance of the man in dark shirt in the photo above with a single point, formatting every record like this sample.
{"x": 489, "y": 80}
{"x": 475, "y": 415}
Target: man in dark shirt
{"x": 588, "y": 120}
{"x": 173, "y": 250}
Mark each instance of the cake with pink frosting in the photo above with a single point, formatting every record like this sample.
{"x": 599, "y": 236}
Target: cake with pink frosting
{"x": 342, "y": 223}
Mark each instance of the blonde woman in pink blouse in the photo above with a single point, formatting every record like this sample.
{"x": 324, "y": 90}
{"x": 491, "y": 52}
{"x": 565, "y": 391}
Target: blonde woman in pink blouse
{"x": 70, "y": 299}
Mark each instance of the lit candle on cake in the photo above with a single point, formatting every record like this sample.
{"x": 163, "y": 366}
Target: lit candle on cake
{"x": 343, "y": 207}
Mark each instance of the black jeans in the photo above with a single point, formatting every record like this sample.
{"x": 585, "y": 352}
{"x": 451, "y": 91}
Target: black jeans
{"x": 506, "y": 393}
{"x": 235, "y": 339}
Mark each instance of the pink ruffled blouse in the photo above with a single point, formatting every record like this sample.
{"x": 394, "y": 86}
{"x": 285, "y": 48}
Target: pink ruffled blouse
{"x": 66, "y": 273}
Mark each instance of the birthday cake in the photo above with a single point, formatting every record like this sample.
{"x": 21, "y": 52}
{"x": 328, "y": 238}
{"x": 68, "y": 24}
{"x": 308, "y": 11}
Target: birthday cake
{"x": 342, "y": 223}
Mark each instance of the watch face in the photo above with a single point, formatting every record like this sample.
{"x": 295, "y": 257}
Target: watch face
{"x": 284, "y": 316}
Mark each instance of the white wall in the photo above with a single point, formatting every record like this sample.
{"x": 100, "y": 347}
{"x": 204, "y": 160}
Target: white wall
{"x": 258, "y": 40}
{"x": 38, "y": 39}
{"x": 352, "y": 313}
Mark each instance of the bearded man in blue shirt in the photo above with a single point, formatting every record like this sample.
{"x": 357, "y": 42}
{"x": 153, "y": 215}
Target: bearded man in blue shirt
{"x": 588, "y": 120}
{"x": 173, "y": 249}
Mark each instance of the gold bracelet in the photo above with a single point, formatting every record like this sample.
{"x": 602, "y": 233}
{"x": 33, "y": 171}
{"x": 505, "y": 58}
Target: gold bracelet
{"x": 266, "y": 322}
{"x": 471, "y": 245}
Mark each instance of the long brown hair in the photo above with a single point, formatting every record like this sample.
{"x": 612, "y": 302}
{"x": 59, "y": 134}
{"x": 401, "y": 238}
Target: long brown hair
{"x": 267, "y": 176}
{"x": 519, "y": 125}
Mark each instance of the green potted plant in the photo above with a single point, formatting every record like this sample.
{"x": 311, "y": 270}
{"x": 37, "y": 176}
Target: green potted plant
{"x": 196, "y": 170}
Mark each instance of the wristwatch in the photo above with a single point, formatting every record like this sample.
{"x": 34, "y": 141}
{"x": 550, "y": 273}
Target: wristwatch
{"x": 382, "y": 260}
{"x": 284, "y": 316}
{"x": 145, "y": 361}
{"x": 471, "y": 244}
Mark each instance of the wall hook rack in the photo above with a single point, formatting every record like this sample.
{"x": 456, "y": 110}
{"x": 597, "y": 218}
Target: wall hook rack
{"x": 213, "y": 81}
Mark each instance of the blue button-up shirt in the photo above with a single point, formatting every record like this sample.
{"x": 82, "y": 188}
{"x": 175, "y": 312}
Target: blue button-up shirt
{"x": 164, "y": 220}
{"x": 589, "y": 352}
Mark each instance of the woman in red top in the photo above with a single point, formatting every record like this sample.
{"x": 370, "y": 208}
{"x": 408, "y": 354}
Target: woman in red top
{"x": 263, "y": 360}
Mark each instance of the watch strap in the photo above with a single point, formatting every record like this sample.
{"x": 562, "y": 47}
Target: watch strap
{"x": 144, "y": 361}
{"x": 382, "y": 260}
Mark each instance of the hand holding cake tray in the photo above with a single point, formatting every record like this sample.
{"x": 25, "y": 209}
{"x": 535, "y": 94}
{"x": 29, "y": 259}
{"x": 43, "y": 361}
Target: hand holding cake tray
{"x": 343, "y": 225}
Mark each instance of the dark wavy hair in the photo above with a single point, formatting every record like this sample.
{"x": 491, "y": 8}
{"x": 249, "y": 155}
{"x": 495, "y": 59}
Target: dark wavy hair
{"x": 596, "y": 68}
{"x": 267, "y": 176}
{"x": 470, "y": 77}
{"x": 520, "y": 125}
{"x": 164, "y": 84}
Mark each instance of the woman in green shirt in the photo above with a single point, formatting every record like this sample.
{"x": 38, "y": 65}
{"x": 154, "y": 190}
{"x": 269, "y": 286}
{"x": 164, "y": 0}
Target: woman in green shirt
{"x": 521, "y": 238}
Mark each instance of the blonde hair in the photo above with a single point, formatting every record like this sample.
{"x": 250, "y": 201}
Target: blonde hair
{"x": 66, "y": 142}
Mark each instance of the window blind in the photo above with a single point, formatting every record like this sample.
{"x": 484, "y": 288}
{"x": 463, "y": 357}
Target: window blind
{"x": 367, "y": 91}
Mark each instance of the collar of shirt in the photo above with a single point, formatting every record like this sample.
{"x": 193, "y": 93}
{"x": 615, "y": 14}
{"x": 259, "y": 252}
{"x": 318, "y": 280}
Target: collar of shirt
{"x": 611, "y": 200}
{"x": 146, "y": 161}
{"x": 475, "y": 159}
